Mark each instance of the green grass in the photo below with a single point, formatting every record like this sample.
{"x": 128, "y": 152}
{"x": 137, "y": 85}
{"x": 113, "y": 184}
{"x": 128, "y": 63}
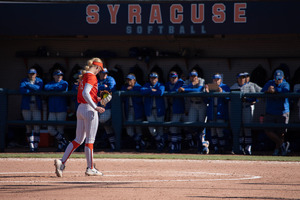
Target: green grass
{"x": 156, "y": 156}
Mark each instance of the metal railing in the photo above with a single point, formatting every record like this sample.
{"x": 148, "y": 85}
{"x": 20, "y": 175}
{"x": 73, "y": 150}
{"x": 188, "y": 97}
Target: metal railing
{"x": 234, "y": 124}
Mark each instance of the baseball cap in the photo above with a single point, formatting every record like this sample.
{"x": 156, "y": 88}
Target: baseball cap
{"x": 217, "y": 76}
{"x": 240, "y": 75}
{"x": 58, "y": 72}
{"x": 246, "y": 74}
{"x": 278, "y": 75}
{"x": 105, "y": 71}
{"x": 153, "y": 75}
{"x": 193, "y": 74}
{"x": 130, "y": 76}
{"x": 31, "y": 71}
{"x": 173, "y": 75}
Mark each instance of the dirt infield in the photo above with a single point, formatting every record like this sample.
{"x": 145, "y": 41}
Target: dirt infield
{"x": 150, "y": 179}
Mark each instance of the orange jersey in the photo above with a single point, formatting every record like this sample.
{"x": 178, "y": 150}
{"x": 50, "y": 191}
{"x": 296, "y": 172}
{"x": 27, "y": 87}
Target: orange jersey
{"x": 91, "y": 79}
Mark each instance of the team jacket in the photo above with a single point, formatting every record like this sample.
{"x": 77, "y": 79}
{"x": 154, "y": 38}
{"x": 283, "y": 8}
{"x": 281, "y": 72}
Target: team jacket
{"x": 111, "y": 87}
{"x": 137, "y": 102}
{"x": 159, "y": 100}
{"x": 177, "y": 102}
{"x": 221, "y": 107}
{"x": 57, "y": 103}
{"x": 194, "y": 88}
{"x": 26, "y": 87}
{"x": 277, "y": 106}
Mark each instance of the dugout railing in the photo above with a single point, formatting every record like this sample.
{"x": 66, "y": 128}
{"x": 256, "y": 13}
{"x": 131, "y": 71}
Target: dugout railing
{"x": 234, "y": 124}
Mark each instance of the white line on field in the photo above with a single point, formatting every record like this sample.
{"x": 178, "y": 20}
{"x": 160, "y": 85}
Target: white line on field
{"x": 190, "y": 177}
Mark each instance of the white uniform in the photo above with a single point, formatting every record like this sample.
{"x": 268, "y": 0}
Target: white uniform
{"x": 87, "y": 118}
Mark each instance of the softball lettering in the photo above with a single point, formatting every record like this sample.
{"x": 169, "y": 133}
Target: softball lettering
{"x": 166, "y": 18}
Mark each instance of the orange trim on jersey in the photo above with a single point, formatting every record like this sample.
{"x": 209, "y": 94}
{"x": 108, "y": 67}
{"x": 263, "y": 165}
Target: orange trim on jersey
{"x": 98, "y": 64}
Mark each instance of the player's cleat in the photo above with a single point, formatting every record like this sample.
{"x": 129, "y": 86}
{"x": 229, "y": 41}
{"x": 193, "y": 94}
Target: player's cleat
{"x": 216, "y": 150}
{"x": 276, "y": 152}
{"x": 32, "y": 150}
{"x": 92, "y": 172}
{"x": 60, "y": 148}
{"x": 160, "y": 147}
{"x": 191, "y": 144}
{"x": 174, "y": 147}
{"x": 205, "y": 150}
{"x": 59, "y": 167}
{"x": 284, "y": 148}
{"x": 112, "y": 147}
{"x": 248, "y": 150}
{"x": 140, "y": 146}
{"x": 62, "y": 145}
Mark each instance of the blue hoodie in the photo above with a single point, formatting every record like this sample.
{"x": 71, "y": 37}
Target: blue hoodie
{"x": 178, "y": 102}
{"x": 277, "y": 106}
{"x": 26, "y": 87}
{"x": 57, "y": 103}
{"x": 137, "y": 102}
{"x": 159, "y": 100}
{"x": 222, "y": 106}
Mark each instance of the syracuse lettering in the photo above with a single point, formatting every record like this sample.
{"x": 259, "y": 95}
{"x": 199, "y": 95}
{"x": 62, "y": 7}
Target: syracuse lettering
{"x": 175, "y": 23}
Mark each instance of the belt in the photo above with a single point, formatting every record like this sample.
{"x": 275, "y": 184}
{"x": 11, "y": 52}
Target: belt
{"x": 153, "y": 108}
{"x": 32, "y": 102}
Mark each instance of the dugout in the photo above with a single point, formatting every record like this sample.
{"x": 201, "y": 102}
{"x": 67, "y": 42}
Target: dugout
{"x": 218, "y": 36}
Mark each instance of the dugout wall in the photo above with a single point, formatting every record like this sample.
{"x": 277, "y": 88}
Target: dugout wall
{"x": 249, "y": 36}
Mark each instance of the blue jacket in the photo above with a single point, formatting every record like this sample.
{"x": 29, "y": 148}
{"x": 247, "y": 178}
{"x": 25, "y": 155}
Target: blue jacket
{"x": 137, "y": 102}
{"x": 194, "y": 88}
{"x": 57, "y": 103}
{"x": 277, "y": 106}
{"x": 26, "y": 87}
{"x": 111, "y": 87}
{"x": 222, "y": 106}
{"x": 178, "y": 102}
{"x": 159, "y": 100}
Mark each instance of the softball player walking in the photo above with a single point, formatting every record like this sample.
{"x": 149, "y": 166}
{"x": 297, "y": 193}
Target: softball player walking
{"x": 155, "y": 107}
{"x": 87, "y": 118}
{"x": 134, "y": 111}
{"x": 108, "y": 83}
{"x": 31, "y": 106}
{"x": 57, "y": 108}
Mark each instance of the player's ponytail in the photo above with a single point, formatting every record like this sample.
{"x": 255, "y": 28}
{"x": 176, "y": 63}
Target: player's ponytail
{"x": 94, "y": 62}
{"x": 80, "y": 76}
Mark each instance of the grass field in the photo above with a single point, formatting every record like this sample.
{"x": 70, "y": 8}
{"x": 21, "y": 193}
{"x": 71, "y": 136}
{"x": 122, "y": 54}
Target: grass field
{"x": 155, "y": 156}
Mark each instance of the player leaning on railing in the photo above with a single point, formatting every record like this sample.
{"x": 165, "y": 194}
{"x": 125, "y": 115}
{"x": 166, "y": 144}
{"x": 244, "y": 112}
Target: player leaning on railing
{"x": 277, "y": 111}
